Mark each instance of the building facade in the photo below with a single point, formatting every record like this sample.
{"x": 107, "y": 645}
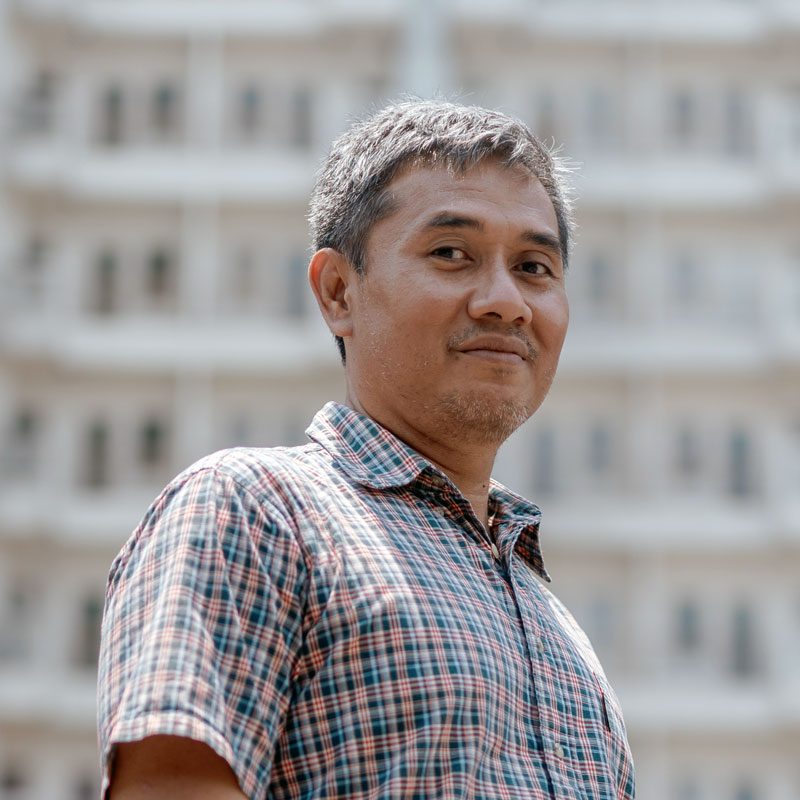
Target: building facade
{"x": 155, "y": 165}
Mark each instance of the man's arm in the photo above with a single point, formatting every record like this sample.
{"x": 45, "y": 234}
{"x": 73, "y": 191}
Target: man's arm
{"x": 172, "y": 768}
{"x": 202, "y": 627}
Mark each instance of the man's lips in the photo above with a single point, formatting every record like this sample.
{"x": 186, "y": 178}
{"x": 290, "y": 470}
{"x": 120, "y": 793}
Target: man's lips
{"x": 497, "y": 348}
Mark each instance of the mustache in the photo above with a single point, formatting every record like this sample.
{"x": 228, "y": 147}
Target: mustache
{"x": 474, "y": 331}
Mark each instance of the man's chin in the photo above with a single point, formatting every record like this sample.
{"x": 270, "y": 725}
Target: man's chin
{"x": 482, "y": 417}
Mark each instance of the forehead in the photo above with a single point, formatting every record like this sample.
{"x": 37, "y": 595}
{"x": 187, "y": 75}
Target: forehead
{"x": 489, "y": 190}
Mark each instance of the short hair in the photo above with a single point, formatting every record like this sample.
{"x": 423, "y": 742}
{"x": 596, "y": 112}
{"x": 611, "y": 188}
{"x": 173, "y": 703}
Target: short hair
{"x": 352, "y": 193}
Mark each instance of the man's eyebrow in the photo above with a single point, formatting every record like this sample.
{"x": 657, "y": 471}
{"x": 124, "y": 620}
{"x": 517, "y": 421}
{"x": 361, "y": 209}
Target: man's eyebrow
{"x": 546, "y": 240}
{"x": 447, "y": 219}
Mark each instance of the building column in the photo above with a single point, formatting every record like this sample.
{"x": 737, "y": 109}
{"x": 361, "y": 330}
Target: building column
{"x": 424, "y": 63}
{"x": 59, "y": 472}
{"x": 649, "y": 615}
{"x": 69, "y": 284}
{"x": 645, "y": 97}
{"x": 77, "y": 112}
{"x": 338, "y": 100}
{"x": 646, "y": 441}
{"x": 193, "y": 418}
{"x": 778, "y": 478}
{"x": 644, "y": 274}
{"x": 200, "y": 255}
{"x": 205, "y": 93}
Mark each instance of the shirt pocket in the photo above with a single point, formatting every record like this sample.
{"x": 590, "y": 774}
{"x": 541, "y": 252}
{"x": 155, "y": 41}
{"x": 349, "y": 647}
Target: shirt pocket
{"x": 616, "y": 740}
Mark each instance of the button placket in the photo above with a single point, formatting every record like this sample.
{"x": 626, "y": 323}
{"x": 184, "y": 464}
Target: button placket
{"x": 528, "y": 598}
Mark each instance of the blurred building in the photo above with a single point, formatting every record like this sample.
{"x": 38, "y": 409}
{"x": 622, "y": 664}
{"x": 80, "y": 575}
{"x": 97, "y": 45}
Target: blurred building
{"x": 155, "y": 164}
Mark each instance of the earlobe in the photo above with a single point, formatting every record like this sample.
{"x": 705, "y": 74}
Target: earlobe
{"x": 331, "y": 276}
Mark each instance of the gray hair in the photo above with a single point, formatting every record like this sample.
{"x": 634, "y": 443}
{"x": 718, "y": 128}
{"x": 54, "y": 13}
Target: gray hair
{"x": 351, "y": 192}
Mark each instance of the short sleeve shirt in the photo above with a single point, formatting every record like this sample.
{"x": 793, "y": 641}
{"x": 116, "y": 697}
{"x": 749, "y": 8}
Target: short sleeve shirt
{"x": 335, "y": 622}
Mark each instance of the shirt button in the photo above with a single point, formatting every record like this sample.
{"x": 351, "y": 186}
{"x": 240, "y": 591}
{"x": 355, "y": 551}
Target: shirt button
{"x": 558, "y": 751}
{"x": 495, "y": 551}
{"x": 540, "y": 646}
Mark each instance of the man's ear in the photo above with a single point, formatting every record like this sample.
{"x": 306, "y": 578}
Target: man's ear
{"x": 332, "y": 278}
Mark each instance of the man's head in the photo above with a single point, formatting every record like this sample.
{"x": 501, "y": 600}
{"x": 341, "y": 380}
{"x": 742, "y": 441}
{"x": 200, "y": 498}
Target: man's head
{"x": 442, "y": 237}
{"x": 353, "y": 188}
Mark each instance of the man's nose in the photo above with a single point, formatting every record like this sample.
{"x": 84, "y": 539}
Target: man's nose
{"x": 498, "y": 294}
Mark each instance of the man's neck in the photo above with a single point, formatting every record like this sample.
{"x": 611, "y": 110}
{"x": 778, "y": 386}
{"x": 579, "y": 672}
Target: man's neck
{"x": 468, "y": 464}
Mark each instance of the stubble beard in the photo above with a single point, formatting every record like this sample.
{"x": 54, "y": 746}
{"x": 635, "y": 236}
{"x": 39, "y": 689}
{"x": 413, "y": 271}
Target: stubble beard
{"x": 475, "y": 418}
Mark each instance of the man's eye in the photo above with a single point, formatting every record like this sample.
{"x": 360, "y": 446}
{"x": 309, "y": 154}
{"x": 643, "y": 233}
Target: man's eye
{"x": 535, "y": 268}
{"x": 453, "y": 253}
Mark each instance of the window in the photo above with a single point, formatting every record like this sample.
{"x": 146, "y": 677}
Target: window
{"x": 737, "y": 124}
{"x": 688, "y": 456}
{"x": 740, "y": 464}
{"x": 688, "y": 635}
{"x": 16, "y": 620}
{"x": 599, "y": 451}
{"x": 23, "y": 436}
{"x": 105, "y": 283}
{"x": 297, "y": 294}
{"x": 599, "y": 288}
{"x": 794, "y": 288}
{"x": 739, "y": 302}
{"x": 545, "y": 124}
{"x": 153, "y": 444}
{"x": 32, "y": 266}
{"x": 686, "y": 285}
{"x": 793, "y": 118}
{"x": 164, "y": 111}
{"x": 12, "y": 782}
{"x": 86, "y": 788}
{"x": 96, "y": 470}
{"x": 250, "y": 112}
{"x": 745, "y": 791}
{"x": 35, "y": 253}
{"x": 682, "y": 116}
{"x": 600, "y": 119}
{"x": 744, "y": 662}
{"x": 160, "y": 282}
{"x": 240, "y": 431}
{"x": 301, "y": 122}
{"x": 687, "y": 788}
{"x": 37, "y": 108}
{"x": 294, "y": 427}
{"x": 88, "y": 639}
{"x": 794, "y": 445}
{"x": 545, "y": 467}
{"x": 243, "y": 281}
{"x": 601, "y": 626}
{"x": 112, "y": 113}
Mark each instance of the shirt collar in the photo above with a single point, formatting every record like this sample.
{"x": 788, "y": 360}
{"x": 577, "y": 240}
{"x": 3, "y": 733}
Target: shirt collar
{"x": 371, "y": 455}
{"x": 522, "y": 518}
{"x": 365, "y": 450}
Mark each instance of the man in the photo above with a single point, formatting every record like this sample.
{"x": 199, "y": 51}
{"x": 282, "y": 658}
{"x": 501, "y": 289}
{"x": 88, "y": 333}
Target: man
{"x": 364, "y": 616}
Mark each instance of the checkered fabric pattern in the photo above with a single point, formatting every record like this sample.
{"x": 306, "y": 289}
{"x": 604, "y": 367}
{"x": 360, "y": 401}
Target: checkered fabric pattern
{"x": 334, "y": 621}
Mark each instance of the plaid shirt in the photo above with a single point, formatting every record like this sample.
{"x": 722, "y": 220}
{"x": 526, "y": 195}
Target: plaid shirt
{"x": 333, "y": 620}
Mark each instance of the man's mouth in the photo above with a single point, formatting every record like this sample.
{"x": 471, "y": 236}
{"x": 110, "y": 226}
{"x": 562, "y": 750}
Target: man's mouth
{"x": 496, "y": 347}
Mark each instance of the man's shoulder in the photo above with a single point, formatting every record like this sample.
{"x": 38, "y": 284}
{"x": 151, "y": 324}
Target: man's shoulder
{"x": 242, "y": 485}
{"x": 261, "y": 471}
{"x": 249, "y": 466}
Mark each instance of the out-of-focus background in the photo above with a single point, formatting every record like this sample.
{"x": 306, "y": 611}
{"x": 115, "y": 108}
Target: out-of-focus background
{"x": 155, "y": 163}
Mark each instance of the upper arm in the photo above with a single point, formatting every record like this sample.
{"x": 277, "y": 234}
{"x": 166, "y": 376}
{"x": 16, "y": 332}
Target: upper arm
{"x": 202, "y": 628}
{"x": 173, "y": 768}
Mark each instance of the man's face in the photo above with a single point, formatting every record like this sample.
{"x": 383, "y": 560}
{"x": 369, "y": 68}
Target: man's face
{"x": 459, "y": 319}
